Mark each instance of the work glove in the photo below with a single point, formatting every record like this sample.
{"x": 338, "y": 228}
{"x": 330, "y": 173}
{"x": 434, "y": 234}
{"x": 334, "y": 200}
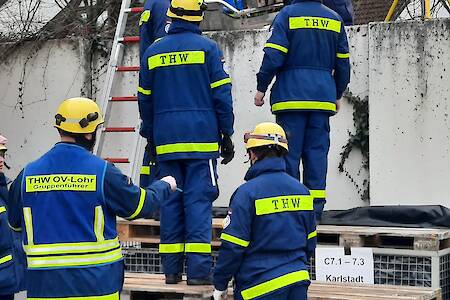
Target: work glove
{"x": 226, "y": 149}
{"x": 220, "y": 295}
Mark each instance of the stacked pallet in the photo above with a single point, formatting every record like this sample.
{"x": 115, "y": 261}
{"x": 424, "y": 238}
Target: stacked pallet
{"x": 420, "y": 239}
{"x": 402, "y": 256}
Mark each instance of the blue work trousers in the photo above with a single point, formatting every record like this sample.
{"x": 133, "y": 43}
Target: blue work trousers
{"x": 308, "y": 135}
{"x": 186, "y": 217}
{"x": 292, "y": 292}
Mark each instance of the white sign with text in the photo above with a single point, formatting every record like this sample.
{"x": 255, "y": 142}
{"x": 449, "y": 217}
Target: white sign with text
{"x": 332, "y": 265}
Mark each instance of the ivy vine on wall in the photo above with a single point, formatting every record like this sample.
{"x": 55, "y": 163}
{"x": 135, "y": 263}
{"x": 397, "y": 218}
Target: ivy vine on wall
{"x": 359, "y": 140}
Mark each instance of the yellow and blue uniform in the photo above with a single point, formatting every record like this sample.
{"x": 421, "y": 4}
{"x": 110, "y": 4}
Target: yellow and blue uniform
{"x": 153, "y": 23}
{"x": 308, "y": 53}
{"x": 12, "y": 258}
{"x": 268, "y": 236}
{"x": 66, "y": 203}
{"x": 186, "y": 106}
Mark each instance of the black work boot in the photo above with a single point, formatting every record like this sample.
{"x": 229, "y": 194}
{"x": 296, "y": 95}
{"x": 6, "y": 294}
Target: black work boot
{"x": 173, "y": 278}
{"x": 200, "y": 281}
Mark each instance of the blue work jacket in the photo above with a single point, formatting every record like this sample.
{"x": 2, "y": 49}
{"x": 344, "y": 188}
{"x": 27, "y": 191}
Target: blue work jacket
{"x": 344, "y": 8}
{"x": 184, "y": 95}
{"x": 153, "y": 24}
{"x": 12, "y": 258}
{"x": 66, "y": 203}
{"x": 269, "y": 233}
{"x": 308, "y": 53}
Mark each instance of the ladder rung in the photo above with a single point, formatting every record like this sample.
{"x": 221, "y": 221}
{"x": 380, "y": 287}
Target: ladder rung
{"x": 129, "y": 39}
{"x": 135, "y": 9}
{"x": 119, "y": 129}
{"x": 121, "y": 99}
{"x": 118, "y": 160}
{"x": 127, "y": 68}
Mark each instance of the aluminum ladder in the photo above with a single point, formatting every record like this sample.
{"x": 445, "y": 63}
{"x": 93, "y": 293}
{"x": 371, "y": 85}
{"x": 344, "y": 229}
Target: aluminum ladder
{"x": 107, "y": 100}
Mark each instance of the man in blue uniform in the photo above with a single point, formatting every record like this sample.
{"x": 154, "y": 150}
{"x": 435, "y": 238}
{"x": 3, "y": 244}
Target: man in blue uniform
{"x": 270, "y": 231}
{"x": 12, "y": 258}
{"x": 66, "y": 203}
{"x": 308, "y": 54}
{"x": 187, "y": 115}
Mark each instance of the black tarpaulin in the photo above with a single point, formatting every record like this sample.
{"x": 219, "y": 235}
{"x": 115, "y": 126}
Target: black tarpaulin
{"x": 412, "y": 216}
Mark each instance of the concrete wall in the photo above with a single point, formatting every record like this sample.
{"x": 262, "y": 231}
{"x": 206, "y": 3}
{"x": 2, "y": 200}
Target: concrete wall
{"x": 409, "y": 113}
{"x": 58, "y": 71}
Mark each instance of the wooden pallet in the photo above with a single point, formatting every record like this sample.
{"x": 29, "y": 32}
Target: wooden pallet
{"x": 152, "y": 287}
{"x": 148, "y": 232}
{"x": 384, "y": 237}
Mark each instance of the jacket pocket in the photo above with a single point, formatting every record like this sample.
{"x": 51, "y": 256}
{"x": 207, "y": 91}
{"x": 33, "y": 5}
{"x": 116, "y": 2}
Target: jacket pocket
{"x": 8, "y": 282}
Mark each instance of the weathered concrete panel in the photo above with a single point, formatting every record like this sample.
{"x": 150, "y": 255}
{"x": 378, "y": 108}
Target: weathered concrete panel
{"x": 32, "y": 83}
{"x": 409, "y": 112}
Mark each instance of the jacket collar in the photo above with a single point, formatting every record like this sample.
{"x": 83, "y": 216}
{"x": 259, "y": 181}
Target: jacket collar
{"x": 300, "y": 1}
{"x": 267, "y": 165}
{"x": 179, "y": 26}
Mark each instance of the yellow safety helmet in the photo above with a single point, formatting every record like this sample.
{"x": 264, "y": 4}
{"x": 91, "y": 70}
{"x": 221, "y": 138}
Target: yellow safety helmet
{"x": 188, "y": 10}
{"x": 266, "y": 134}
{"x": 78, "y": 115}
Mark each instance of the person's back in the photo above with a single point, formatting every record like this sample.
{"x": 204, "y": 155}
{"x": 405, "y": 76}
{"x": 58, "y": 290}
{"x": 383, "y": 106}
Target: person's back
{"x": 311, "y": 38}
{"x": 279, "y": 243}
{"x": 184, "y": 78}
{"x": 66, "y": 203}
{"x": 269, "y": 233}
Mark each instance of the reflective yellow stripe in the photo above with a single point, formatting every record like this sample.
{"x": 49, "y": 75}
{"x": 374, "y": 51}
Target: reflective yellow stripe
{"x": 198, "y": 248}
{"x": 220, "y": 82}
{"x": 140, "y": 205}
{"x": 99, "y": 224}
{"x": 283, "y": 203}
{"x": 114, "y": 296}
{"x": 145, "y": 16}
{"x": 318, "y": 193}
{"x": 315, "y": 105}
{"x": 144, "y": 91}
{"x": 187, "y": 147}
{"x": 278, "y": 47}
{"x": 315, "y": 23}
{"x": 17, "y": 229}
{"x": 176, "y": 59}
{"x": 68, "y": 248}
{"x": 145, "y": 170}
{"x": 74, "y": 260}
{"x": 2, "y": 209}
{"x": 5, "y": 259}
{"x": 274, "y": 284}
{"x": 343, "y": 55}
{"x": 312, "y": 234}
{"x": 171, "y": 248}
{"x": 61, "y": 182}
{"x": 28, "y": 218}
{"x": 234, "y": 240}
